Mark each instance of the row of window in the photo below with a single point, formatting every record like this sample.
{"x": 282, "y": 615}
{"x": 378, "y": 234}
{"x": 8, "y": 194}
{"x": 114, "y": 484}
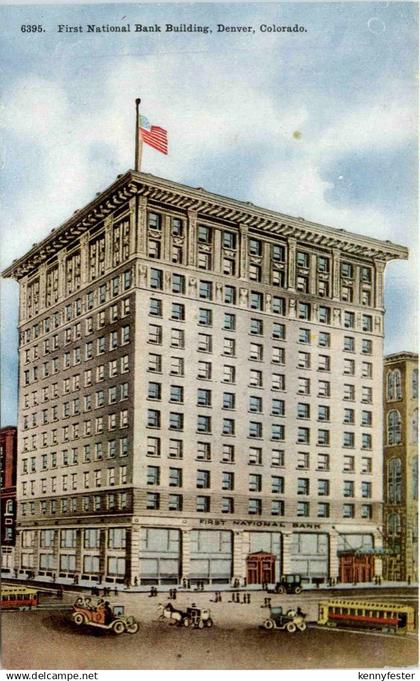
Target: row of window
{"x": 97, "y": 503}
{"x": 93, "y": 298}
{"x": 394, "y": 384}
{"x": 66, "y": 563}
{"x": 114, "y": 368}
{"x": 101, "y": 424}
{"x": 96, "y": 478}
{"x": 70, "y": 457}
{"x": 276, "y": 507}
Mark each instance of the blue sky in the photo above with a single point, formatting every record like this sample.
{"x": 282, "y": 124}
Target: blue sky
{"x": 231, "y": 104}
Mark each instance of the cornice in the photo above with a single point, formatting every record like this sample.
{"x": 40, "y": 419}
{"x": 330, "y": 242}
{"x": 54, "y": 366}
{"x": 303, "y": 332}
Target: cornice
{"x": 206, "y": 205}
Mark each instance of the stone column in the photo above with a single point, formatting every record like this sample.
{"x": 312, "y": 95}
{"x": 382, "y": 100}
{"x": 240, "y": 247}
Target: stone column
{"x": 84, "y": 258}
{"x": 102, "y": 555}
{"x": 357, "y": 287}
{"x": 133, "y": 557}
{"x": 35, "y": 549}
{"x": 217, "y": 251}
{"x": 186, "y": 554}
{"x": 266, "y": 264}
{"x": 291, "y": 264}
{"x": 23, "y": 292}
{"x": 333, "y": 557}
{"x": 286, "y": 563}
{"x": 166, "y": 238}
{"x": 79, "y": 564}
{"x": 191, "y": 237}
{"x": 379, "y": 284}
{"x": 42, "y": 286}
{"x": 141, "y": 227}
{"x": 312, "y": 274}
{"x": 239, "y": 555}
{"x": 243, "y": 251}
{"x": 61, "y": 274}
{"x": 108, "y": 242}
{"x": 133, "y": 214}
{"x": 336, "y": 274}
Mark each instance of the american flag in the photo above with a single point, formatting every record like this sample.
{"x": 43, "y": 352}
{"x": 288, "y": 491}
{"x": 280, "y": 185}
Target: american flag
{"x": 153, "y": 135}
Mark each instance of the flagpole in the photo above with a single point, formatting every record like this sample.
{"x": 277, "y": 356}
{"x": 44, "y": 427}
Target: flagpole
{"x": 138, "y": 140}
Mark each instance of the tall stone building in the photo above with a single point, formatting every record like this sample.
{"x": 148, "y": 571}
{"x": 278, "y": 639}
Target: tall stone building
{"x": 401, "y": 417}
{"x": 200, "y": 392}
{"x": 8, "y": 456}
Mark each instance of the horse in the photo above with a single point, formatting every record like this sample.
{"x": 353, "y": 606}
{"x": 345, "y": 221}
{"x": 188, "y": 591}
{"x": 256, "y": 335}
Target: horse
{"x": 172, "y": 614}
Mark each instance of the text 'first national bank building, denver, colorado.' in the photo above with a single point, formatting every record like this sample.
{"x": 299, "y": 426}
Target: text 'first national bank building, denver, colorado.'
{"x": 200, "y": 386}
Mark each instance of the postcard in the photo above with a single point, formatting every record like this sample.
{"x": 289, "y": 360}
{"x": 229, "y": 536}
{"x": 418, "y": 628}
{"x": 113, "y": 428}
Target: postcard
{"x": 209, "y": 356}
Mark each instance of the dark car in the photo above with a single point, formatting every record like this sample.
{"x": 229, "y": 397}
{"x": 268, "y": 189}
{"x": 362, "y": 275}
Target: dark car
{"x": 289, "y": 584}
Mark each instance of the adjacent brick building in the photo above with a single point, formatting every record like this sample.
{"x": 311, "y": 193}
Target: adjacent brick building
{"x": 8, "y": 456}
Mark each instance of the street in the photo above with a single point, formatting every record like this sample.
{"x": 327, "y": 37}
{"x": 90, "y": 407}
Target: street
{"x": 48, "y": 639}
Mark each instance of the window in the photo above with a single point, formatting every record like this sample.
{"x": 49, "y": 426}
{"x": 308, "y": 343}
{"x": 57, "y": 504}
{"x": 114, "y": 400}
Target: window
{"x": 303, "y": 486}
{"x": 206, "y": 290}
{"x": 304, "y": 311}
{"x": 255, "y": 482}
{"x": 279, "y": 331}
{"x": 175, "y": 477}
{"x": 153, "y": 418}
{"x": 348, "y": 464}
{"x": 304, "y": 336}
{"x": 204, "y": 234}
{"x": 278, "y": 253}
{"x": 324, "y": 314}
{"x": 176, "y": 421}
{"x": 278, "y": 305}
{"x": 204, "y": 451}
{"x": 366, "y": 488}
{"x": 415, "y": 383}
{"x": 367, "y": 324}
{"x": 177, "y": 366}
{"x": 349, "y": 392}
{"x": 366, "y": 346}
{"x": 302, "y": 460}
{"x": 323, "y": 488}
{"x": 230, "y": 295}
{"x": 155, "y": 363}
{"x": 302, "y": 509}
{"x": 256, "y": 301}
{"x": 204, "y": 370}
{"x": 229, "y": 321}
{"x": 204, "y": 317}
{"x": 323, "y": 413}
{"x": 203, "y": 479}
{"x": 349, "y": 320}
{"x": 256, "y": 327}
{"x": 348, "y": 510}
{"x": 255, "y": 429}
{"x": 177, "y": 227}
{"x": 228, "y": 453}
{"x": 255, "y": 378}
{"x": 323, "y": 438}
{"x": 366, "y": 394}
{"x": 304, "y": 360}
{"x": 203, "y": 504}
{"x": 153, "y": 475}
{"x": 227, "y": 480}
{"x": 155, "y": 307}
{"x": 152, "y": 501}
{"x": 177, "y": 338}
{"x": 303, "y": 410}
{"x": 176, "y": 393}
{"x": 229, "y": 240}
{"x": 302, "y": 259}
{"x": 228, "y": 347}
{"x": 256, "y": 351}
{"x": 254, "y": 272}
{"x": 255, "y": 247}
{"x": 203, "y": 424}
{"x": 178, "y": 283}
{"x": 348, "y": 439}
{"x": 154, "y": 391}
{"x": 277, "y": 407}
{"x": 278, "y": 382}
{"x": 178, "y": 311}
{"x": 175, "y": 449}
{"x": 277, "y": 484}
{"x": 254, "y": 507}
{"x": 155, "y": 334}
{"x": 349, "y": 343}
{"x": 175, "y": 502}
{"x": 366, "y": 466}
{"x": 323, "y": 462}
{"x": 228, "y": 401}
{"x": 348, "y": 489}
{"x": 154, "y": 221}
{"x": 304, "y": 386}
{"x": 348, "y": 416}
{"x": 228, "y": 374}
{"x": 349, "y": 367}
{"x": 279, "y": 355}
{"x": 277, "y": 432}
{"x": 227, "y": 505}
{"x": 323, "y": 510}
{"x": 393, "y": 379}
{"x": 303, "y": 435}
{"x": 156, "y": 279}
{"x": 255, "y": 456}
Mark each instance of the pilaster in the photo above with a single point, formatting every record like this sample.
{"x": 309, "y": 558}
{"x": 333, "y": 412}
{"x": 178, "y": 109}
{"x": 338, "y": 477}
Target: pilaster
{"x": 266, "y": 264}
{"x": 336, "y": 274}
{"x": 291, "y": 264}
{"x": 186, "y": 554}
{"x": 243, "y": 251}
{"x": 42, "y": 286}
{"x": 333, "y": 557}
{"x": 240, "y": 545}
{"x": 23, "y": 294}
{"x": 286, "y": 563}
{"x": 108, "y": 242}
{"x": 79, "y": 566}
{"x": 166, "y": 236}
{"x": 379, "y": 284}
{"x": 192, "y": 237}
{"x": 132, "y": 217}
{"x": 312, "y": 274}
{"x": 217, "y": 251}
{"x": 84, "y": 258}
{"x": 61, "y": 273}
{"x": 141, "y": 227}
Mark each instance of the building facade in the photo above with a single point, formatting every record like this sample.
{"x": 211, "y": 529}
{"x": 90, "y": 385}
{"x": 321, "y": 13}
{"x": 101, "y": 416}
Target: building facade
{"x": 200, "y": 383}
{"x": 401, "y": 466}
{"x": 8, "y": 456}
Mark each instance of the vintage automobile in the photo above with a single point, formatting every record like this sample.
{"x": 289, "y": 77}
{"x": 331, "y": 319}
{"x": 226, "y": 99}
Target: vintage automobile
{"x": 103, "y": 616}
{"x": 289, "y": 584}
{"x": 291, "y": 621}
{"x": 197, "y": 617}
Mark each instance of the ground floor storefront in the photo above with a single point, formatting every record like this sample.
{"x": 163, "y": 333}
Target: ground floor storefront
{"x": 145, "y": 552}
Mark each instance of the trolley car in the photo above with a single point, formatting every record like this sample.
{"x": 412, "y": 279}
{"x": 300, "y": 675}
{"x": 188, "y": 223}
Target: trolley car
{"x": 386, "y": 616}
{"x": 18, "y": 598}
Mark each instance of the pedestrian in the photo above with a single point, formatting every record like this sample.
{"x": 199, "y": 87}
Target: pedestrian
{"x": 174, "y": 594}
{"x": 244, "y": 598}
{"x": 248, "y": 598}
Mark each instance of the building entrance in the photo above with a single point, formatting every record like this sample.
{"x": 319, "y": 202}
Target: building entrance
{"x": 355, "y": 568}
{"x": 260, "y": 568}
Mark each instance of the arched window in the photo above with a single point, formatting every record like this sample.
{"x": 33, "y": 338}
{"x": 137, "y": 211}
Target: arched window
{"x": 394, "y": 427}
{"x": 393, "y": 379}
{"x": 394, "y": 481}
{"x": 414, "y": 426}
{"x": 9, "y": 506}
{"x": 415, "y": 383}
{"x": 415, "y": 476}
{"x": 394, "y": 524}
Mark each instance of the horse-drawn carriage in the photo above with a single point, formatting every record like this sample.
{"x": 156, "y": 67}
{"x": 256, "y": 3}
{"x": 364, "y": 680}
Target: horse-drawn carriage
{"x": 102, "y": 615}
{"x": 291, "y": 621}
{"x": 195, "y": 617}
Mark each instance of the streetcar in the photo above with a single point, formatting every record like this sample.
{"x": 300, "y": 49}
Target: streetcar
{"x": 18, "y": 598}
{"x": 386, "y": 616}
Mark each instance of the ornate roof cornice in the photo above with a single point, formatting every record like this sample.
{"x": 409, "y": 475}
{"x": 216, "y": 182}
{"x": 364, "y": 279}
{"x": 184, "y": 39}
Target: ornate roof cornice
{"x": 206, "y": 205}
